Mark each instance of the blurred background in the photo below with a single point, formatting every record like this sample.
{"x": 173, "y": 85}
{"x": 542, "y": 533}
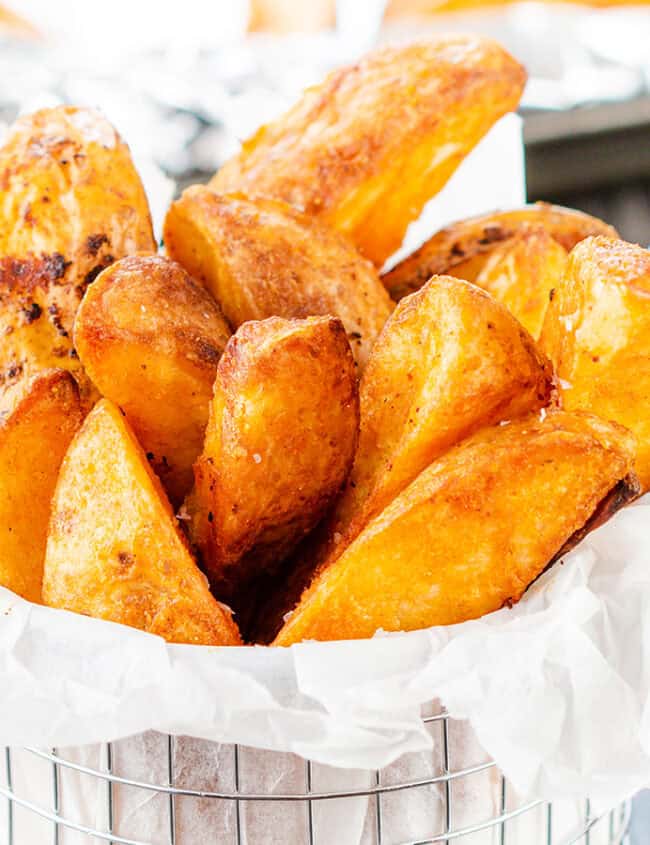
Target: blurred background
{"x": 184, "y": 83}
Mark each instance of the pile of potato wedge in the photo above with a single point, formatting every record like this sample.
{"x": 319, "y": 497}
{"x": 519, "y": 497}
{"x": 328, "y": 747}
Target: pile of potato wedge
{"x": 258, "y": 436}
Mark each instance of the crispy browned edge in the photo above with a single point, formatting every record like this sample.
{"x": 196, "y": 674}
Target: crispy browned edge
{"x": 464, "y": 240}
{"x": 622, "y": 493}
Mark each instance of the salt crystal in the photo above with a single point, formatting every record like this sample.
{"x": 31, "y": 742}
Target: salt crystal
{"x": 257, "y": 458}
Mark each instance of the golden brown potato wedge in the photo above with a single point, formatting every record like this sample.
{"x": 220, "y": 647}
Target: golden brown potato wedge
{"x": 368, "y": 147}
{"x": 473, "y": 530}
{"x": 150, "y": 338}
{"x": 597, "y": 333}
{"x": 114, "y": 549}
{"x": 450, "y": 360}
{"x": 463, "y": 248}
{"x": 280, "y": 442}
{"x": 522, "y": 272}
{"x": 72, "y": 203}
{"x": 263, "y": 259}
{"x": 39, "y": 418}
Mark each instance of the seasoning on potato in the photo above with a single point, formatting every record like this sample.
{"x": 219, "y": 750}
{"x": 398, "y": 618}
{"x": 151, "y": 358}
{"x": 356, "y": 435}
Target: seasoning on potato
{"x": 279, "y": 445}
{"x": 449, "y": 361}
{"x": 38, "y": 419}
{"x": 463, "y": 248}
{"x": 263, "y": 259}
{"x": 114, "y": 549}
{"x": 522, "y": 272}
{"x": 72, "y": 203}
{"x": 150, "y": 338}
{"x": 597, "y": 333}
{"x": 472, "y": 532}
{"x": 367, "y": 148}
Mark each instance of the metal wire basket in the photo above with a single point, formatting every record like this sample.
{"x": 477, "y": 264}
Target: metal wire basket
{"x": 439, "y": 782}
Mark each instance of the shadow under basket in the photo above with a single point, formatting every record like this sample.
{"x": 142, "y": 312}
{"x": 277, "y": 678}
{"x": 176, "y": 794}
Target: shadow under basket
{"x": 155, "y": 789}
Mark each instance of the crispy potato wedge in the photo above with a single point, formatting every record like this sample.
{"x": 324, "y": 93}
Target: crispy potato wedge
{"x": 39, "y": 418}
{"x": 72, "y": 203}
{"x": 263, "y": 259}
{"x": 368, "y": 147}
{"x": 150, "y": 338}
{"x": 522, "y": 272}
{"x": 279, "y": 445}
{"x": 448, "y": 549}
{"x": 114, "y": 549}
{"x": 597, "y": 333}
{"x": 463, "y": 248}
{"x": 450, "y": 360}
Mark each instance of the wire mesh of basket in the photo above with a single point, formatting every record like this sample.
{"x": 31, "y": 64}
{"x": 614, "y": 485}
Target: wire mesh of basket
{"x": 444, "y": 783}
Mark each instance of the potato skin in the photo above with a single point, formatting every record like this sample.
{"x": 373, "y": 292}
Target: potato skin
{"x": 368, "y": 147}
{"x": 447, "y": 549}
{"x": 263, "y": 259}
{"x": 597, "y": 333}
{"x": 450, "y": 360}
{"x": 463, "y": 248}
{"x": 114, "y": 549}
{"x": 522, "y": 272}
{"x": 279, "y": 445}
{"x": 39, "y": 418}
{"x": 150, "y": 338}
{"x": 72, "y": 203}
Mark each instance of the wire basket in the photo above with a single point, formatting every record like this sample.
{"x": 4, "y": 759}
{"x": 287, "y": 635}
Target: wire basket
{"x": 440, "y": 782}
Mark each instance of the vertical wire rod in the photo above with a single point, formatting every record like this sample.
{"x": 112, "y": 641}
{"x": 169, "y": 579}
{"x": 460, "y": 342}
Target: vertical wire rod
{"x": 170, "y": 778}
{"x": 378, "y": 819}
{"x": 237, "y": 801}
{"x": 109, "y": 787}
{"x": 587, "y": 821}
{"x": 10, "y": 804}
{"x": 310, "y": 804}
{"x": 446, "y": 766}
{"x": 549, "y": 824}
{"x": 502, "y": 804}
{"x": 55, "y": 798}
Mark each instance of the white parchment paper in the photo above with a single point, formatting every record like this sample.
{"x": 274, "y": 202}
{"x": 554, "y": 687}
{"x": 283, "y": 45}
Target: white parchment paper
{"x": 554, "y": 689}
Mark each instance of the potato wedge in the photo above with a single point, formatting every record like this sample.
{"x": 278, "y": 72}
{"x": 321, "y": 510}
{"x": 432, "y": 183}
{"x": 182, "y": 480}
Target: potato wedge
{"x": 463, "y": 248}
{"x": 72, "y": 203}
{"x": 263, "y": 259}
{"x": 368, "y": 147}
{"x": 279, "y": 445}
{"x": 150, "y": 338}
{"x": 114, "y": 549}
{"x": 597, "y": 333}
{"x": 450, "y": 360}
{"x": 522, "y": 272}
{"x": 39, "y": 418}
{"x": 448, "y": 548}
